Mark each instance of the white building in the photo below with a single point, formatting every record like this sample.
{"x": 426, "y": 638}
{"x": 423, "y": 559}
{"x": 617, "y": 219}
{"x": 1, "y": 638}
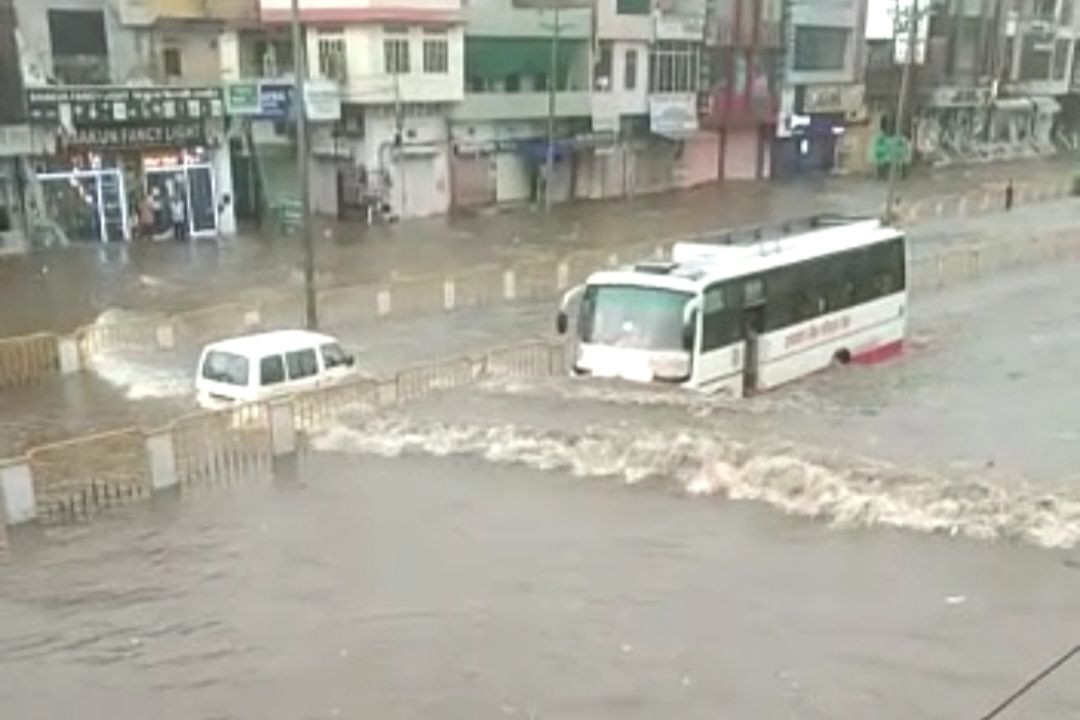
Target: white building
{"x": 399, "y": 65}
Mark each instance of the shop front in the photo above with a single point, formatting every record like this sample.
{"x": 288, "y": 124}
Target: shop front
{"x": 824, "y": 130}
{"x": 126, "y": 160}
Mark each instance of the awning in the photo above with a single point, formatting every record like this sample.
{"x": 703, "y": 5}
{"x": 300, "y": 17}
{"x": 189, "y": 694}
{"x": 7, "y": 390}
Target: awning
{"x": 1014, "y": 104}
{"x": 536, "y": 150}
{"x": 1046, "y": 105}
{"x": 679, "y": 135}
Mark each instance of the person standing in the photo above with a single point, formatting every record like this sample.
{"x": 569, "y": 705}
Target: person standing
{"x": 178, "y": 215}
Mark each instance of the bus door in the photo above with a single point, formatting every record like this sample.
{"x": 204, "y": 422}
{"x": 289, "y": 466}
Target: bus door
{"x": 753, "y": 326}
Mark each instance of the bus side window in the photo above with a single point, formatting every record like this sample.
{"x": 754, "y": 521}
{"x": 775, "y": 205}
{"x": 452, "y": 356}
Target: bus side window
{"x": 840, "y": 292}
{"x": 713, "y": 317}
{"x": 779, "y": 308}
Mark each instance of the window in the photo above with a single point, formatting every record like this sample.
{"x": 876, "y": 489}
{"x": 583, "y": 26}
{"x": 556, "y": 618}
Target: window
{"x": 721, "y": 312}
{"x": 332, "y": 58}
{"x": 673, "y": 67}
{"x": 171, "y": 63}
{"x": 334, "y": 356}
{"x": 436, "y": 53}
{"x": 80, "y": 48}
{"x": 633, "y": 317}
{"x": 302, "y": 364}
{"x": 1061, "y": 59}
{"x": 630, "y": 69}
{"x": 603, "y": 71}
{"x": 633, "y": 7}
{"x": 272, "y": 370}
{"x": 802, "y": 292}
{"x": 224, "y": 367}
{"x": 396, "y": 50}
{"x": 820, "y": 48}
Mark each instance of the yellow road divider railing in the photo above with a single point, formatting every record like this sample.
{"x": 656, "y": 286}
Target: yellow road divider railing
{"x": 30, "y": 359}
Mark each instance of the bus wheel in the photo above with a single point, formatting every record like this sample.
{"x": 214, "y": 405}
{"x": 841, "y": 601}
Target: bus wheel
{"x": 842, "y": 357}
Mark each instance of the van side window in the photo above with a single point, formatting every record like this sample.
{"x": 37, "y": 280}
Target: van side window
{"x": 334, "y": 356}
{"x": 302, "y": 364}
{"x": 272, "y": 370}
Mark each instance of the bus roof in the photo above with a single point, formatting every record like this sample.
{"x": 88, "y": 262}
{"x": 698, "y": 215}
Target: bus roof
{"x": 722, "y": 256}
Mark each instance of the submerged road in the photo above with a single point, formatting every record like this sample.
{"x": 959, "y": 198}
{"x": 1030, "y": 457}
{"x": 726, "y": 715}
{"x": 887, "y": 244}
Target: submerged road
{"x": 479, "y": 555}
{"x": 59, "y": 290}
{"x": 151, "y": 388}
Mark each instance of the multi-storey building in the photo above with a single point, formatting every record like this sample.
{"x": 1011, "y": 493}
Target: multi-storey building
{"x": 14, "y": 132}
{"x": 398, "y": 67}
{"x": 521, "y": 65}
{"x": 956, "y": 61}
{"x": 822, "y": 123}
{"x": 1038, "y": 53}
{"x": 744, "y": 50}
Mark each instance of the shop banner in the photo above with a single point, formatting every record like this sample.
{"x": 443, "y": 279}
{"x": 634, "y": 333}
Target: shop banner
{"x": 673, "y": 115}
{"x": 259, "y": 100}
{"x": 105, "y": 105}
{"x": 272, "y": 100}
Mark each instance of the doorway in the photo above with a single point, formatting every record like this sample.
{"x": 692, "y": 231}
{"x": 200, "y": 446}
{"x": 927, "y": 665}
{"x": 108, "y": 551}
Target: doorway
{"x": 753, "y": 327}
{"x": 88, "y": 205}
{"x": 194, "y": 184}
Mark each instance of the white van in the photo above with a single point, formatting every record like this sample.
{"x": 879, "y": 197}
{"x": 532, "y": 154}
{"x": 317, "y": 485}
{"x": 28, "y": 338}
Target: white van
{"x": 253, "y": 368}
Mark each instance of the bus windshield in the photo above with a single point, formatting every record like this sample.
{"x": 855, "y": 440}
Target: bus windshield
{"x": 626, "y": 316}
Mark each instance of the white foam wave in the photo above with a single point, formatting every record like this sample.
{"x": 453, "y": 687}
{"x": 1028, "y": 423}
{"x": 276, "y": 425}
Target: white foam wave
{"x": 798, "y": 481}
{"x": 143, "y": 378}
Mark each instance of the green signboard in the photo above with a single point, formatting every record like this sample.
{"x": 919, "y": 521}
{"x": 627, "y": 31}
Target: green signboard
{"x": 242, "y": 98}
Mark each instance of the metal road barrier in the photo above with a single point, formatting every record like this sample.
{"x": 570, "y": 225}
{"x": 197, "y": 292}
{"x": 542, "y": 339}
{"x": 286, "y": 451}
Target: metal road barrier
{"x": 30, "y": 359}
{"x": 75, "y": 479}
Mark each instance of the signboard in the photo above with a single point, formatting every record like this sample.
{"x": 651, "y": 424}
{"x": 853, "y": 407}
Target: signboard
{"x": 944, "y": 97}
{"x": 323, "y": 101}
{"x": 15, "y": 141}
{"x": 107, "y": 105}
{"x": 261, "y": 100}
{"x": 272, "y": 100}
{"x": 173, "y": 134}
{"x": 832, "y": 98}
{"x": 679, "y": 20}
{"x": 673, "y": 115}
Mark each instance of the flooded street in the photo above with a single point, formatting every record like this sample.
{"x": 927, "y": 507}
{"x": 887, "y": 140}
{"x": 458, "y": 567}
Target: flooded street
{"x": 892, "y": 542}
{"x": 124, "y": 388}
{"x": 60, "y": 290}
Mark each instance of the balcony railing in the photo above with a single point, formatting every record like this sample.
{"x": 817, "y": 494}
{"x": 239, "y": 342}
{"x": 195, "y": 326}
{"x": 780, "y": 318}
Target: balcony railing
{"x": 233, "y": 12}
{"x": 522, "y": 106}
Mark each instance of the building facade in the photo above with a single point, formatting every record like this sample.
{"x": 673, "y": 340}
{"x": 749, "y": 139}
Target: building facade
{"x": 499, "y": 130}
{"x": 1040, "y": 42}
{"x": 744, "y": 51}
{"x": 821, "y": 126}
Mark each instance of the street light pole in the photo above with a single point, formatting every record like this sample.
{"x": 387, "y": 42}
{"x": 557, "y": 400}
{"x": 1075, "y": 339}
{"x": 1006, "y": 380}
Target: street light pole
{"x": 913, "y": 19}
{"x": 299, "y": 103}
{"x": 549, "y": 164}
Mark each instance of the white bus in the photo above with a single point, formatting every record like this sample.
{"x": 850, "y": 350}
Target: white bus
{"x": 748, "y": 310}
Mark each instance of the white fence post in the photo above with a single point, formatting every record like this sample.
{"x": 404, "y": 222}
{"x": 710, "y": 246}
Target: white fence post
{"x": 162, "y": 455}
{"x": 17, "y": 486}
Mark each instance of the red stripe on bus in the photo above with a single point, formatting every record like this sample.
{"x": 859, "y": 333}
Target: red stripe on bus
{"x": 881, "y": 353}
{"x": 829, "y": 340}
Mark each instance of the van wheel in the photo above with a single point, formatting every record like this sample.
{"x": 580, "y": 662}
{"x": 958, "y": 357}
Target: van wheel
{"x": 842, "y": 357}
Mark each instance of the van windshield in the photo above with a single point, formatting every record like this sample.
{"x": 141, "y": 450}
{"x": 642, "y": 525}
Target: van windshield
{"x": 225, "y": 367}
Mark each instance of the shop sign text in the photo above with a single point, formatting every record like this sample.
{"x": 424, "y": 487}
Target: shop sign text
{"x": 136, "y": 136}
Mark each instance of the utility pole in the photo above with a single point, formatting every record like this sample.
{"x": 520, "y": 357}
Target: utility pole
{"x": 299, "y": 103}
{"x": 914, "y": 17}
{"x": 553, "y": 71}
{"x": 399, "y": 139}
